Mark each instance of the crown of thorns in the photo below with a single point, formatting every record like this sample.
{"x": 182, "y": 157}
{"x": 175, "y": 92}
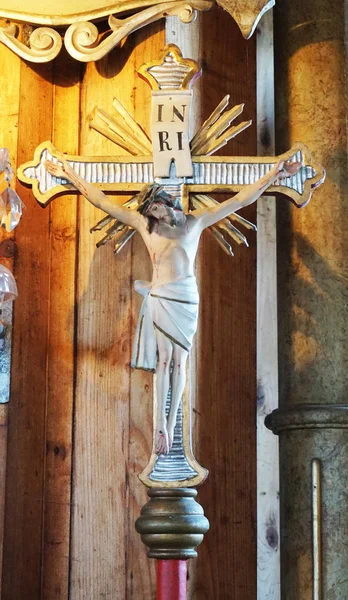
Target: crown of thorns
{"x": 156, "y": 194}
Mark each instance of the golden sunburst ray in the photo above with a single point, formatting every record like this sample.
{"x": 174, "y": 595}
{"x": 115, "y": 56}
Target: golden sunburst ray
{"x": 139, "y": 133}
{"x": 122, "y": 238}
{"x": 215, "y": 131}
{"x": 210, "y": 121}
{"x": 247, "y": 224}
{"x": 104, "y": 222}
{"x": 227, "y": 248}
{"x": 124, "y": 132}
{"x": 232, "y": 217}
{"x": 225, "y": 224}
{"x": 214, "y": 229}
{"x": 199, "y": 201}
{"x": 116, "y": 227}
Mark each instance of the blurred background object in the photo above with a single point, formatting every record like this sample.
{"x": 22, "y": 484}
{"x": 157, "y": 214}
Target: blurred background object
{"x": 10, "y": 214}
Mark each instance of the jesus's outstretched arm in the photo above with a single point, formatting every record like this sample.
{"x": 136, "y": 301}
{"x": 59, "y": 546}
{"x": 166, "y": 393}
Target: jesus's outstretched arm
{"x": 95, "y": 195}
{"x": 248, "y": 195}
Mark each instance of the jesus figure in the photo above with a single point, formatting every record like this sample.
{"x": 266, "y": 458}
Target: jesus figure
{"x": 169, "y": 313}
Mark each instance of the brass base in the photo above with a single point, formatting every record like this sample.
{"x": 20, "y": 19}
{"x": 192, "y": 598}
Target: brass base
{"x": 172, "y": 524}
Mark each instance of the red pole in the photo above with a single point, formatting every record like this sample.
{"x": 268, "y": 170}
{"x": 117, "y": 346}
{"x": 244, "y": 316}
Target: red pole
{"x": 171, "y": 579}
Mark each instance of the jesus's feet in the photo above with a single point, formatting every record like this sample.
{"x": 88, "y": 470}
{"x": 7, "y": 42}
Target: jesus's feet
{"x": 162, "y": 445}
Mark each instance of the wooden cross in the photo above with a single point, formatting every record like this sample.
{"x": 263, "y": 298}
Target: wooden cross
{"x": 185, "y": 169}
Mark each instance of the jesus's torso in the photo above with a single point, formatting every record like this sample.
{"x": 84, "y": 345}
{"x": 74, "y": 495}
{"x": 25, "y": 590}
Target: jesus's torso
{"x": 172, "y": 250}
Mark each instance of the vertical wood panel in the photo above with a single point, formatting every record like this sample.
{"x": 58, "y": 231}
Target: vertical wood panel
{"x": 102, "y": 384}
{"x": 9, "y": 108}
{"x": 60, "y": 357}
{"x": 26, "y": 440}
{"x": 103, "y": 507}
{"x": 268, "y": 551}
{"x": 226, "y": 382}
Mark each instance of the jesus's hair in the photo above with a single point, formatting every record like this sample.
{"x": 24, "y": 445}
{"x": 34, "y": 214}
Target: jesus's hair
{"x": 157, "y": 195}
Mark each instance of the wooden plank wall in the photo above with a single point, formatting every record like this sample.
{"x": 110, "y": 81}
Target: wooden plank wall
{"x": 79, "y": 419}
{"x": 9, "y": 110}
{"x": 226, "y": 352}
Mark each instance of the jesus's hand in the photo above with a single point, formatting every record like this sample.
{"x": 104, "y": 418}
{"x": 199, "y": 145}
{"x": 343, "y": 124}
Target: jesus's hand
{"x": 287, "y": 168}
{"x": 61, "y": 170}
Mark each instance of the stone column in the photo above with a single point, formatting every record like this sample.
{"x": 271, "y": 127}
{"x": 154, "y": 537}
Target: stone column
{"x": 312, "y": 420}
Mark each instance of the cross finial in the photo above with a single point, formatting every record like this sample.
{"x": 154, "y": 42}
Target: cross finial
{"x": 171, "y": 71}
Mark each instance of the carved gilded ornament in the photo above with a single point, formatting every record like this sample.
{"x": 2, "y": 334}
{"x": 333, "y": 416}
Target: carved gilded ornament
{"x": 56, "y": 23}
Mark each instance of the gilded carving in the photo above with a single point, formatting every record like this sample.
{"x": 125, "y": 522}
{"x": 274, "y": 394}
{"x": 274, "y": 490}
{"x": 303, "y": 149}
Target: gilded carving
{"x": 81, "y": 36}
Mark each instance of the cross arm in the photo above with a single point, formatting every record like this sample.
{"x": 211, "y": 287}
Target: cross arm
{"x": 248, "y": 195}
{"x": 96, "y": 196}
{"x": 116, "y": 174}
{"x": 218, "y": 174}
{"x": 222, "y": 174}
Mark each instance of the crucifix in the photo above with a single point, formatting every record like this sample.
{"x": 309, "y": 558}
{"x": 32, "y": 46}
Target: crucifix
{"x": 172, "y": 178}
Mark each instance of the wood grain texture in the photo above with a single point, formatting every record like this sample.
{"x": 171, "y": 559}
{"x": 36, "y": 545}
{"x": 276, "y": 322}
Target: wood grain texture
{"x": 60, "y": 353}
{"x": 226, "y": 361}
{"x": 268, "y": 551}
{"x": 100, "y": 493}
{"x": 9, "y": 108}
{"x": 105, "y": 510}
{"x": 27, "y": 410}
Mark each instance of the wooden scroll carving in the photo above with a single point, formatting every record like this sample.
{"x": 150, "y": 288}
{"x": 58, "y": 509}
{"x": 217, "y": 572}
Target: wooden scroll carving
{"x": 54, "y": 23}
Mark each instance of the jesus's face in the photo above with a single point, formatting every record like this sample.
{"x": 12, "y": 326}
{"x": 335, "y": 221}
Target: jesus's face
{"x": 166, "y": 214}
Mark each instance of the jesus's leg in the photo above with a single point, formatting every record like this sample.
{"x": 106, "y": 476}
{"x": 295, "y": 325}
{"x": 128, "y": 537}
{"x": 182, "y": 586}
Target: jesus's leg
{"x": 165, "y": 350}
{"x": 178, "y": 386}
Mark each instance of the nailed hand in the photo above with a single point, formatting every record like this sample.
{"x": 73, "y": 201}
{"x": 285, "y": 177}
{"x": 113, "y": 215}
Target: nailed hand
{"x": 287, "y": 168}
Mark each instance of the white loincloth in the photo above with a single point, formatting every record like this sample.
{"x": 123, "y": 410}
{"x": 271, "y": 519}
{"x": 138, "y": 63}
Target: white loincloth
{"x": 172, "y": 309}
